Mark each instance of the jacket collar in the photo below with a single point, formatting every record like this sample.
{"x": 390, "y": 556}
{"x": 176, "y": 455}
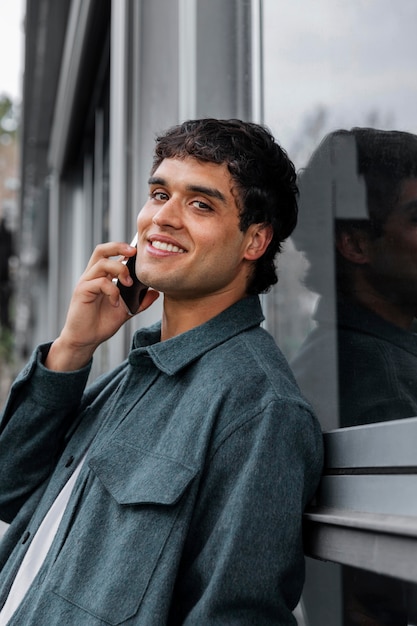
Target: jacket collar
{"x": 174, "y": 354}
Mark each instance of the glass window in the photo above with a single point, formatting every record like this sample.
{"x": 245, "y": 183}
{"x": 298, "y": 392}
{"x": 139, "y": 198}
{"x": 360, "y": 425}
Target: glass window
{"x": 339, "y": 93}
{"x": 333, "y": 67}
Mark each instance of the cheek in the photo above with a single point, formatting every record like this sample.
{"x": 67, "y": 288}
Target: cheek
{"x": 144, "y": 218}
{"x": 401, "y": 248}
{"x": 217, "y": 248}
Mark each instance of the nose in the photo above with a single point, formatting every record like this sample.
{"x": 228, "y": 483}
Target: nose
{"x": 168, "y": 214}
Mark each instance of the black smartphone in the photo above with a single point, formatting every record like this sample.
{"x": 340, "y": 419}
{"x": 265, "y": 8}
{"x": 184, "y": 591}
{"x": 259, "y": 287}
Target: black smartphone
{"x": 134, "y": 294}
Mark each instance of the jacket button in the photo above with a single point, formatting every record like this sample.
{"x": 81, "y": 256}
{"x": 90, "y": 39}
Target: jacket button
{"x": 70, "y": 461}
{"x": 25, "y": 537}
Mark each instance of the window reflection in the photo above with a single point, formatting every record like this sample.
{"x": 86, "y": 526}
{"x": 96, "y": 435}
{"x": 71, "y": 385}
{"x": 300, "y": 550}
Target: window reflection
{"x": 332, "y": 65}
{"x": 358, "y": 234}
{"x": 368, "y": 180}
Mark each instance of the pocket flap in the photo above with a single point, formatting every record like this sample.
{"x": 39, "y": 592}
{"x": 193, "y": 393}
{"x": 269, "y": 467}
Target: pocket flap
{"x": 133, "y": 475}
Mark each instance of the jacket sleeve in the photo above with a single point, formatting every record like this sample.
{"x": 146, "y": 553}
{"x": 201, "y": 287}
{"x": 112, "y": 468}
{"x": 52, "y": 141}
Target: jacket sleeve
{"x": 244, "y": 563}
{"x": 39, "y": 410}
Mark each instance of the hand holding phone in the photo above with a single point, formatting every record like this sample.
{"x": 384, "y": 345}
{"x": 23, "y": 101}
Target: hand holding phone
{"x": 134, "y": 294}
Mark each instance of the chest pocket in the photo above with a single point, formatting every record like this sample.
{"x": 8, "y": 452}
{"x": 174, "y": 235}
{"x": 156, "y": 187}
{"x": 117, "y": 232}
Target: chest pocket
{"x": 135, "y": 476}
{"x": 133, "y": 514}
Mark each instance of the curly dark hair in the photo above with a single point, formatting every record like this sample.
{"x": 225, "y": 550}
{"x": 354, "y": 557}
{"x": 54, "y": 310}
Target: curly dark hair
{"x": 265, "y": 178}
{"x": 382, "y": 160}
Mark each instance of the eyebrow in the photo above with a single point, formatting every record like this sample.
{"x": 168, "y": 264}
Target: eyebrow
{"x": 211, "y": 192}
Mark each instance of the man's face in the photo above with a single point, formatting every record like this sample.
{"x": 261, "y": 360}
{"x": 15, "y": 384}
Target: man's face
{"x": 189, "y": 241}
{"x": 392, "y": 266}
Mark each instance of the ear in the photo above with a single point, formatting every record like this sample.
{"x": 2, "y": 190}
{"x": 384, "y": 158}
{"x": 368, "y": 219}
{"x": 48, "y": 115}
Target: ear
{"x": 353, "y": 245}
{"x": 259, "y": 238}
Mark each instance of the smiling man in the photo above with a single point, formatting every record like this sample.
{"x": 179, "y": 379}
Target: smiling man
{"x": 171, "y": 490}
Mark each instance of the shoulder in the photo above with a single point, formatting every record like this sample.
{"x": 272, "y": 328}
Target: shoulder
{"x": 254, "y": 364}
{"x": 257, "y": 384}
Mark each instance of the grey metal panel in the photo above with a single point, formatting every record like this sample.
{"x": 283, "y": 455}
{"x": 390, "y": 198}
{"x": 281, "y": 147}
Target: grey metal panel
{"x": 119, "y": 99}
{"x": 257, "y": 86}
{"x": 187, "y": 58}
{"x": 365, "y": 511}
{"x": 224, "y": 57}
{"x": 45, "y": 25}
{"x": 393, "y": 555}
{"x": 388, "y": 494}
{"x": 376, "y": 522}
{"x": 75, "y": 41}
{"x": 387, "y": 444}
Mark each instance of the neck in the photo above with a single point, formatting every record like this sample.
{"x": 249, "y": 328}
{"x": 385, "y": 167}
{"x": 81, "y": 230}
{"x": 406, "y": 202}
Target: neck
{"x": 179, "y": 316}
{"x": 392, "y": 312}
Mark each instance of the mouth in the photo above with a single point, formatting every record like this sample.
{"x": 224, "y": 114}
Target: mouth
{"x": 166, "y": 246}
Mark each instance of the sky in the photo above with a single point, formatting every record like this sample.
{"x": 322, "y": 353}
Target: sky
{"x": 11, "y": 47}
{"x": 354, "y": 59}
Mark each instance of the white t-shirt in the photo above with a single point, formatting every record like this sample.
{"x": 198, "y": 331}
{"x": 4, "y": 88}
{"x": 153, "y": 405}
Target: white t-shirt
{"x": 38, "y": 549}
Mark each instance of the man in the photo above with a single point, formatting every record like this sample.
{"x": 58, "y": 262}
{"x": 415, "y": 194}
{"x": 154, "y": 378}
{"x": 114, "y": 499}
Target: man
{"x": 376, "y": 278}
{"x": 196, "y": 457}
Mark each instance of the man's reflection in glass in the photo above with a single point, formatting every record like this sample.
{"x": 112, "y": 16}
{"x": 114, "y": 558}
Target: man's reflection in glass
{"x": 376, "y": 279}
{"x": 368, "y": 305}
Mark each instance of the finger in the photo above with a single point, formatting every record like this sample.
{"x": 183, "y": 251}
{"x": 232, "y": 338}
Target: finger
{"x": 109, "y": 268}
{"x": 110, "y": 249}
{"x": 90, "y": 290}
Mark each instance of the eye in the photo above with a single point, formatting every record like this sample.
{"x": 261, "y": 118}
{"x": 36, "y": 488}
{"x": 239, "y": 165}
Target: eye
{"x": 202, "y": 206}
{"x": 160, "y": 196}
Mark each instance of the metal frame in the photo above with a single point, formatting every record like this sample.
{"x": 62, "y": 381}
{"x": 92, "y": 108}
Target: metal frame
{"x": 365, "y": 512}
{"x": 75, "y": 42}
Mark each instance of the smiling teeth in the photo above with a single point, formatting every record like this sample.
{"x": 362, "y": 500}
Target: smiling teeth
{"x": 161, "y": 245}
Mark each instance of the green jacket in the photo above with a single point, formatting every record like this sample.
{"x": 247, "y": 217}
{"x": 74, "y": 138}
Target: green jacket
{"x": 188, "y": 510}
